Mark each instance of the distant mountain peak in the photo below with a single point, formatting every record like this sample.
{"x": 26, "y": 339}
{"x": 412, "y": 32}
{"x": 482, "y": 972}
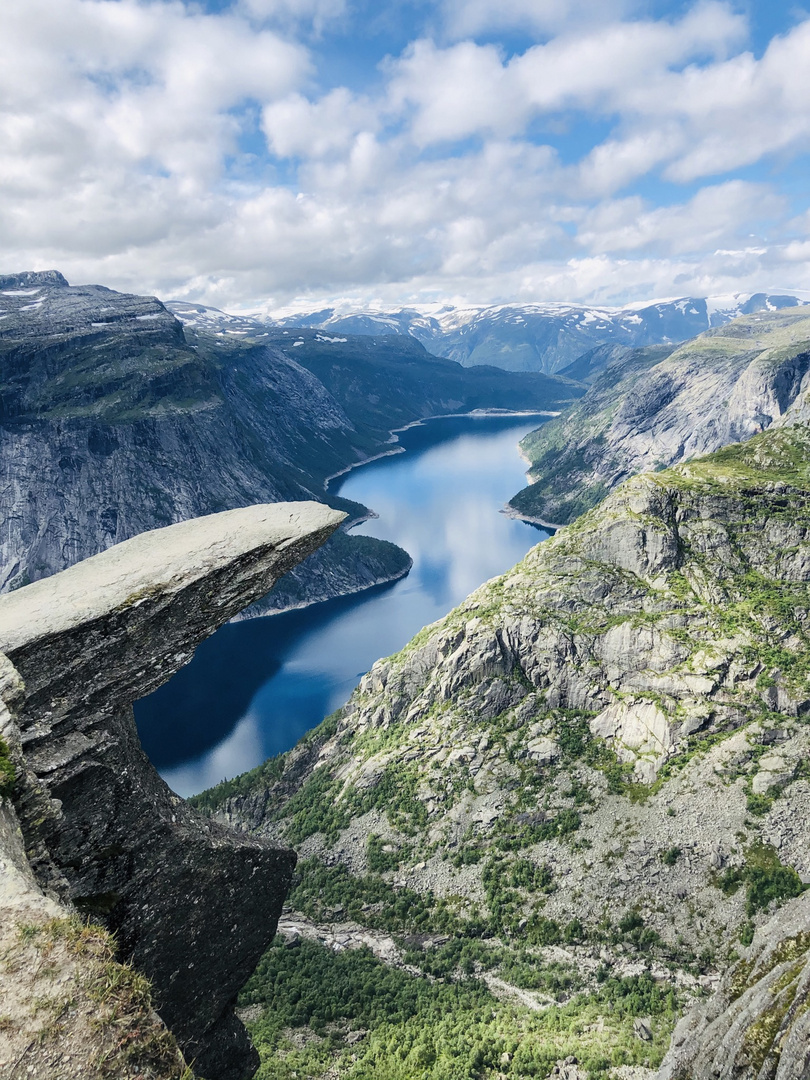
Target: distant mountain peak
{"x": 29, "y": 279}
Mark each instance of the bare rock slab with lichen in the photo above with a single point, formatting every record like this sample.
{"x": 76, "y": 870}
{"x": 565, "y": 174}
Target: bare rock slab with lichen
{"x": 758, "y": 1022}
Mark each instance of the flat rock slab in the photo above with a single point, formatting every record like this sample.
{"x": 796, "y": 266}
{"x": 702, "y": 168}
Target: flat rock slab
{"x": 162, "y": 561}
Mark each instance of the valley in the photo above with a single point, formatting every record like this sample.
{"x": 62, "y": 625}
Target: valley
{"x": 560, "y": 831}
{"x": 655, "y": 407}
{"x": 258, "y": 686}
{"x": 592, "y": 771}
{"x": 114, "y": 420}
{"x": 404, "y": 540}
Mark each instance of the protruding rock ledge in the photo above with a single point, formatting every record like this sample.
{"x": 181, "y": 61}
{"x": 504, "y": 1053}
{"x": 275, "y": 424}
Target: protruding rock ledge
{"x": 192, "y": 904}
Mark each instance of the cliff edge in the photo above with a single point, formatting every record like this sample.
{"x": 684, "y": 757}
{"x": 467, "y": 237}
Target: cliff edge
{"x": 87, "y": 824}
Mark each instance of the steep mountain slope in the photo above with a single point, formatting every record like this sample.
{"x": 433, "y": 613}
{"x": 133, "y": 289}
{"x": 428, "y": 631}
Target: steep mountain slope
{"x": 757, "y": 1023}
{"x": 544, "y": 337}
{"x": 589, "y": 366}
{"x": 596, "y": 765}
{"x": 656, "y": 407}
{"x": 113, "y": 422}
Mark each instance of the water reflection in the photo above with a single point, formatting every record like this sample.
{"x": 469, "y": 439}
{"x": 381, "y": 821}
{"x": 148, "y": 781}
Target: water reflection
{"x": 256, "y": 687}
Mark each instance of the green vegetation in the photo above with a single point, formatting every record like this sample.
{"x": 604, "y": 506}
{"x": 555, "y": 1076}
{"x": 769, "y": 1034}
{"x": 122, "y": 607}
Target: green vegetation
{"x": 101, "y": 1008}
{"x": 315, "y": 807}
{"x": 571, "y": 454}
{"x": 564, "y": 452}
{"x": 747, "y": 931}
{"x": 758, "y": 805}
{"x": 375, "y": 559}
{"x": 8, "y": 773}
{"x": 712, "y": 618}
{"x": 765, "y": 877}
{"x": 778, "y": 455}
{"x": 323, "y": 804}
{"x": 410, "y": 1028}
{"x": 383, "y": 857}
{"x": 508, "y": 886}
{"x": 326, "y": 892}
{"x": 263, "y": 775}
{"x": 579, "y": 744}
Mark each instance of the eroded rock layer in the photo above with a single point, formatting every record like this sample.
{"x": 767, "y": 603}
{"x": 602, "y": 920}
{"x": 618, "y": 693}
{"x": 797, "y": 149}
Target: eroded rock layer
{"x": 658, "y": 406}
{"x": 758, "y": 1023}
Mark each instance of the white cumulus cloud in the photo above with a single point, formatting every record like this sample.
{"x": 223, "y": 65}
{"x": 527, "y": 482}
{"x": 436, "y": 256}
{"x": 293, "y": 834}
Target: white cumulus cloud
{"x": 223, "y": 156}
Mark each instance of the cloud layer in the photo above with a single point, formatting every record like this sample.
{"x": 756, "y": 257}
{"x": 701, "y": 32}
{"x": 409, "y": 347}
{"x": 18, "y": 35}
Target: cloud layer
{"x": 560, "y": 149}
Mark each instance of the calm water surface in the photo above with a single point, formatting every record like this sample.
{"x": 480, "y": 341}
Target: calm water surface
{"x": 255, "y": 687}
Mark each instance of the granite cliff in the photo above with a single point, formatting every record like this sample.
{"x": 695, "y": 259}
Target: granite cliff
{"x": 594, "y": 768}
{"x": 87, "y": 826}
{"x": 756, "y": 1025}
{"x": 381, "y": 383}
{"x": 655, "y": 407}
{"x": 111, "y": 424}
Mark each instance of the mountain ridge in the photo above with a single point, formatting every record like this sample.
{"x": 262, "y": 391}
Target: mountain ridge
{"x": 543, "y": 336}
{"x": 525, "y": 771}
{"x": 114, "y": 420}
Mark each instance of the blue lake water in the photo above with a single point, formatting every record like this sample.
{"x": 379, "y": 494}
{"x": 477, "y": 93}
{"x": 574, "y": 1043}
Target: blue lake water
{"x": 255, "y": 687}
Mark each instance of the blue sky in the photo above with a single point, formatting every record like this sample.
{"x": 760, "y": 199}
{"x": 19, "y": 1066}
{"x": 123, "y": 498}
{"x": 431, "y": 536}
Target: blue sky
{"x": 275, "y": 153}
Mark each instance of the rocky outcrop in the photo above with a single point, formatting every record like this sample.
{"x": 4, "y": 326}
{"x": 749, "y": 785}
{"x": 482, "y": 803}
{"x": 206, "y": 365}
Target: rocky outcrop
{"x": 658, "y": 407}
{"x": 191, "y": 904}
{"x": 757, "y": 1025}
{"x": 68, "y": 1008}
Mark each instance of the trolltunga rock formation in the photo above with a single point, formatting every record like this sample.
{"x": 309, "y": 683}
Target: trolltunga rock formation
{"x": 192, "y": 904}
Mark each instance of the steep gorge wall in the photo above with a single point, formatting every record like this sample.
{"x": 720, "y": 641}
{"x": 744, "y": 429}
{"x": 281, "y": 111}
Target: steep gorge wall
{"x": 111, "y": 424}
{"x": 192, "y": 904}
{"x": 757, "y": 1025}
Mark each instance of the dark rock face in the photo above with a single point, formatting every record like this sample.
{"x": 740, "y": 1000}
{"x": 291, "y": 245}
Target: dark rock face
{"x": 114, "y": 421}
{"x": 29, "y": 279}
{"x": 193, "y": 905}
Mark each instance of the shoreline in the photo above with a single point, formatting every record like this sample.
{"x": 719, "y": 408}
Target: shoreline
{"x": 511, "y": 512}
{"x": 273, "y": 612}
{"x": 399, "y": 449}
